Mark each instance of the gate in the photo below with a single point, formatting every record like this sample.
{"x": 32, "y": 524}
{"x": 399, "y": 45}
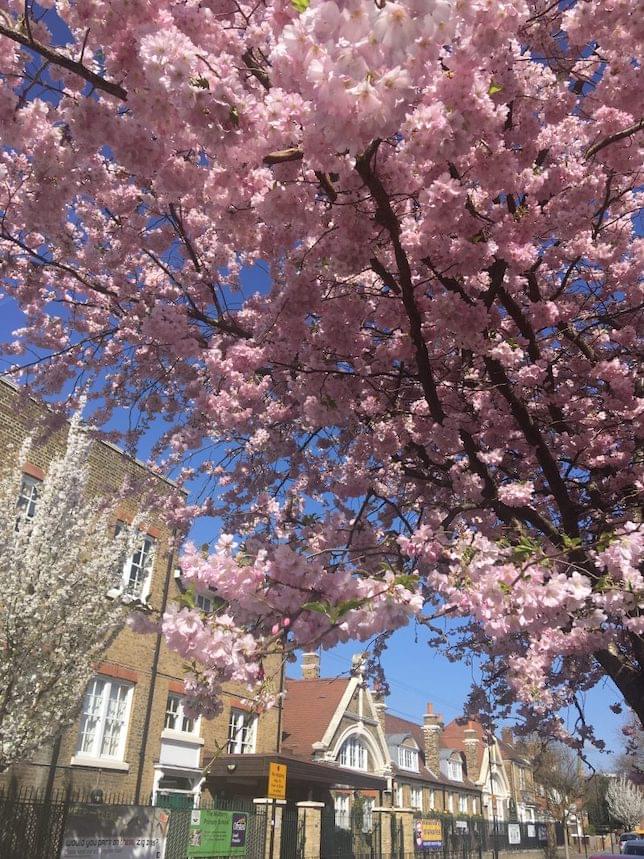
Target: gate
{"x": 292, "y": 837}
{"x": 461, "y": 839}
{"x": 354, "y": 837}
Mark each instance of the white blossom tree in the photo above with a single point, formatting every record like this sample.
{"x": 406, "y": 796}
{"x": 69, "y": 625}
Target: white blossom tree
{"x": 59, "y": 557}
{"x": 625, "y": 802}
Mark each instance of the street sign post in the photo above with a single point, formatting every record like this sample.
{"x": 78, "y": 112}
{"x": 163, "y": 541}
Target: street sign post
{"x": 276, "y": 781}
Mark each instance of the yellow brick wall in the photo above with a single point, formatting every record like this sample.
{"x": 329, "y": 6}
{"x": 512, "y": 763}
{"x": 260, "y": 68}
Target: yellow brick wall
{"x": 131, "y": 654}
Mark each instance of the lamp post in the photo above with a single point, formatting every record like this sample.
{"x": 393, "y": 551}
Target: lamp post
{"x": 495, "y": 845}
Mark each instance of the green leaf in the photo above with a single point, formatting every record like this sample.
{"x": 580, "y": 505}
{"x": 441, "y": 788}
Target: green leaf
{"x": 406, "y": 581}
{"x": 300, "y": 5}
{"x": 494, "y": 88}
{"x": 319, "y": 607}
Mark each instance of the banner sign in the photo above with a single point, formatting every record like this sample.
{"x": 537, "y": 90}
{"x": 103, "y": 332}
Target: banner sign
{"x": 115, "y": 832}
{"x": 429, "y": 835}
{"x": 217, "y": 833}
{"x": 276, "y": 781}
{"x": 514, "y": 833}
{"x": 532, "y": 830}
{"x": 543, "y": 833}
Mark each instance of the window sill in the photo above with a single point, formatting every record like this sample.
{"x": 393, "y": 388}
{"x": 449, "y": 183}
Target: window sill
{"x": 181, "y": 737}
{"x": 99, "y": 763}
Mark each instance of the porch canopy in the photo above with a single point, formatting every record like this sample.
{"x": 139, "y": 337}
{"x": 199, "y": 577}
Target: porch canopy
{"x": 304, "y": 777}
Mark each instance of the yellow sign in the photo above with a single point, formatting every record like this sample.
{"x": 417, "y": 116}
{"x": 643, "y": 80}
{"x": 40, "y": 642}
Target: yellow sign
{"x": 429, "y": 834}
{"x": 276, "y": 781}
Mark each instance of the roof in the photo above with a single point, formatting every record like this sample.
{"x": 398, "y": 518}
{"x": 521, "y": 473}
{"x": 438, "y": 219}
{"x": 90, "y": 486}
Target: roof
{"x": 397, "y": 728}
{"x": 453, "y": 737}
{"x": 309, "y": 706}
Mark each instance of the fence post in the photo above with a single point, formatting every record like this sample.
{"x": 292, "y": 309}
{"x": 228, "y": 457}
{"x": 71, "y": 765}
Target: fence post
{"x": 272, "y": 810}
{"x": 406, "y": 817}
{"x": 309, "y": 817}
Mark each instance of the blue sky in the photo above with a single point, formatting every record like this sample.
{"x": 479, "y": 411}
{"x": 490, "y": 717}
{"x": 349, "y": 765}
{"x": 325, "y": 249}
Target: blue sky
{"x": 416, "y": 673}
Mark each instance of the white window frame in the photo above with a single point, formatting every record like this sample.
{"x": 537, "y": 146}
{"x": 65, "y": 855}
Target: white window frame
{"x": 462, "y": 804}
{"x": 204, "y": 601}
{"x": 455, "y": 769}
{"x": 94, "y": 751}
{"x": 28, "y": 496}
{"x": 368, "y": 806}
{"x": 450, "y": 803}
{"x": 408, "y": 758}
{"x": 416, "y": 797}
{"x": 242, "y": 732}
{"x": 398, "y": 796}
{"x": 432, "y": 799}
{"x": 186, "y": 724}
{"x": 522, "y": 779}
{"x": 354, "y": 754}
{"x": 342, "y": 811}
{"x": 146, "y": 565}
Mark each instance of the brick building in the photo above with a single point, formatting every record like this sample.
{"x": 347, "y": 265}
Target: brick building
{"x": 131, "y": 736}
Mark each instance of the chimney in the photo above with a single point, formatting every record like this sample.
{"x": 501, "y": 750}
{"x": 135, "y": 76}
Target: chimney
{"x": 379, "y": 706}
{"x": 507, "y": 736}
{"x": 471, "y": 743}
{"x": 432, "y": 732}
{"x": 310, "y": 666}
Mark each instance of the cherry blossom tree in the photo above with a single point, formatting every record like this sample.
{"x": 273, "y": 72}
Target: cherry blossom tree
{"x": 428, "y": 407}
{"x": 625, "y": 802}
{"x": 59, "y": 558}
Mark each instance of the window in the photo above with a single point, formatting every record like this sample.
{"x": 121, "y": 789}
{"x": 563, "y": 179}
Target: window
{"x": 432, "y": 799}
{"x": 242, "y": 731}
{"x": 104, "y": 717}
{"x": 462, "y": 804}
{"x": 455, "y": 769}
{"x": 367, "y": 813}
{"x": 450, "y": 802}
{"x": 29, "y": 491}
{"x": 522, "y": 779}
{"x": 205, "y": 602}
{"x": 416, "y": 797}
{"x": 353, "y": 754}
{"x": 137, "y": 569}
{"x": 408, "y": 758}
{"x": 341, "y": 804}
{"x": 176, "y": 718}
{"x": 398, "y": 796}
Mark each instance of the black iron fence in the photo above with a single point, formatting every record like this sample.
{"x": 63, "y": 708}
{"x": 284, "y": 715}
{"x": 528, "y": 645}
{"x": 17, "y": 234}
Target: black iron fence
{"x": 469, "y": 838}
{"x": 33, "y": 825}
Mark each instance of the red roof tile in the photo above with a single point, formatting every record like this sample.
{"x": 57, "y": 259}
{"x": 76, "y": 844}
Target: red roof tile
{"x": 309, "y": 706}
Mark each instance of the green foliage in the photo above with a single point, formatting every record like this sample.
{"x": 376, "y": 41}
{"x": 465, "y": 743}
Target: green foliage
{"x": 300, "y": 5}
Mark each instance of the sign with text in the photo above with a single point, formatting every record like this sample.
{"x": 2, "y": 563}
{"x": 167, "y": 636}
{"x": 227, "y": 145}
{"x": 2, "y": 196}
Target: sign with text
{"x": 276, "y": 781}
{"x": 217, "y": 833}
{"x": 429, "y": 835}
{"x": 514, "y": 833}
{"x": 115, "y": 832}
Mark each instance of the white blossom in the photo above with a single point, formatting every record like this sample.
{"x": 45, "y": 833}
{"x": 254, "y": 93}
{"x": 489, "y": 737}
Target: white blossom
{"x": 55, "y": 615}
{"x": 625, "y": 802}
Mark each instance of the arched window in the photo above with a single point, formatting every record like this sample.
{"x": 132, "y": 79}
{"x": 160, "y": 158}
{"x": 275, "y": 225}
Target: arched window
{"x": 353, "y": 754}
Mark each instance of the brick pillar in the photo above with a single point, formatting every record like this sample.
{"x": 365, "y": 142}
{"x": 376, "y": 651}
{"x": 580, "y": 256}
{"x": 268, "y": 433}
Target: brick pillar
{"x": 432, "y": 731}
{"x": 383, "y": 815}
{"x": 406, "y": 820}
{"x": 270, "y": 811}
{"x": 309, "y": 817}
{"x": 310, "y": 666}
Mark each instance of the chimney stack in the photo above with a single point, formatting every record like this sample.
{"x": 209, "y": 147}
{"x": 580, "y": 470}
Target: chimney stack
{"x": 507, "y": 736}
{"x": 471, "y": 743}
{"x": 432, "y": 732}
{"x": 379, "y": 706}
{"x": 310, "y": 666}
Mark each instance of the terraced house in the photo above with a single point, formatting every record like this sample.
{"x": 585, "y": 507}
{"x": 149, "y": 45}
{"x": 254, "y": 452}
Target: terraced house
{"x": 132, "y": 736}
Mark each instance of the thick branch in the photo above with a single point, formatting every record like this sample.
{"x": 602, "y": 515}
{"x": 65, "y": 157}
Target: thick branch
{"x": 65, "y": 62}
{"x": 614, "y": 138}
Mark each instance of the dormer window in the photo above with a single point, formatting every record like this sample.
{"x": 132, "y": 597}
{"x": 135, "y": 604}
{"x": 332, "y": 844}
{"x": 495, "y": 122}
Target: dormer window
{"x": 455, "y": 768}
{"x": 408, "y": 758}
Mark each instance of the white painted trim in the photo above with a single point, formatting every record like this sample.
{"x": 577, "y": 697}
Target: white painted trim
{"x": 379, "y": 762}
{"x": 80, "y": 760}
{"x": 182, "y": 737}
{"x": 333, "y": 725}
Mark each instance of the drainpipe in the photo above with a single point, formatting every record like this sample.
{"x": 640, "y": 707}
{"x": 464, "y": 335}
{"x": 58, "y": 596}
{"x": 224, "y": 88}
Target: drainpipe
{"x": 153, "y": 673}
